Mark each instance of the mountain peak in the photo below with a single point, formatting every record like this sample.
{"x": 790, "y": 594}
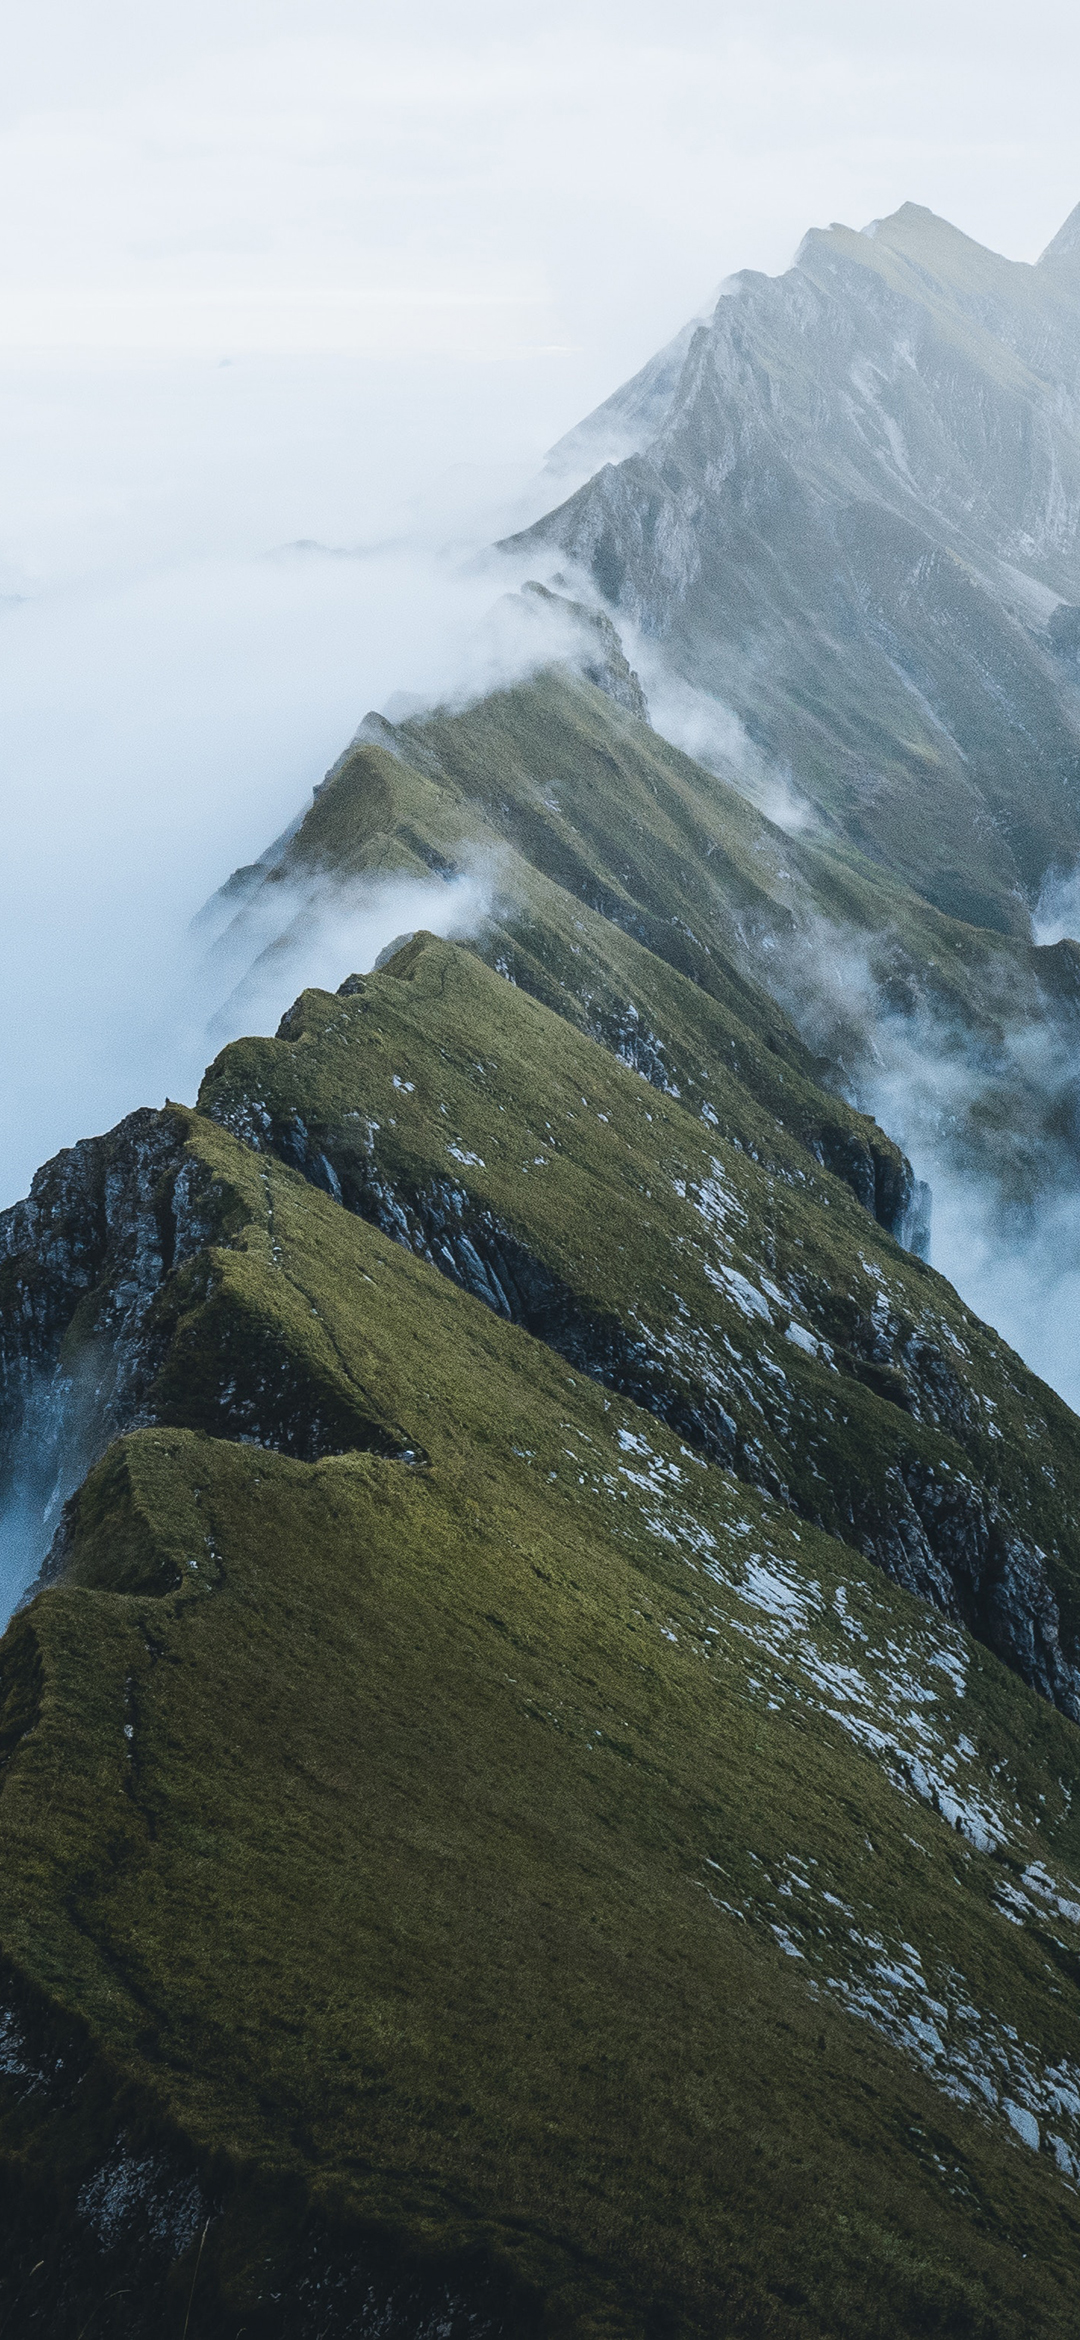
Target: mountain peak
{"x": 1065, "y": 246}
{"x": 910, "y": 215}
{"x": 820, "y": 454}
{"x": 917, "y": 233}
{"x": 915, "y": 238}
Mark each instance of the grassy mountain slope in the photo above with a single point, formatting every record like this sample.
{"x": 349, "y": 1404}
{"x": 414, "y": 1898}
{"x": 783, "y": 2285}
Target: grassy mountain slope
{"x": 490, "y": 1839}
{"x": 765, "y": 1316}
{"x": 503, "y": 1870}
{"x": 645, "y": 898}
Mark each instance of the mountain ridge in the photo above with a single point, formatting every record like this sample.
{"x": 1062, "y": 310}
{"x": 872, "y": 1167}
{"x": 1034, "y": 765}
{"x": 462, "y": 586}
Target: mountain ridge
{"x": 540, "y": 1759}
{"x": 193, "y": 1651}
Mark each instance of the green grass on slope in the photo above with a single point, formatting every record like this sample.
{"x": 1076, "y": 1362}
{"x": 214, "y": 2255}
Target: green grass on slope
{"x": 626, "y": 874}
{"x": 534, "y": 1854}
{"x": 658, "y": 878}
{"x": 594, "y": 797}
{"x": 850, "y": 1371}
{"x": 378, "y": 813}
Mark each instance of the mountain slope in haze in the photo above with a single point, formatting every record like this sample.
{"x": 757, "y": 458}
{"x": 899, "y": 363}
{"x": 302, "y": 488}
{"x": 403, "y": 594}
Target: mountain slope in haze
{"x": 851, "y": 514}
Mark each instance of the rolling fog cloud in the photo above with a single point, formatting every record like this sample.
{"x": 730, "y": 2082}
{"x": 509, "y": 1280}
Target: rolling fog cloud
{"x": 1010, "y": 1240}
{"x": 712, "y": 733}
{"x": 1057, "y": 912}
{"x": 158, "y": 732}
{"x": 296, "y": 939}
{"x": 990, "y": 1120}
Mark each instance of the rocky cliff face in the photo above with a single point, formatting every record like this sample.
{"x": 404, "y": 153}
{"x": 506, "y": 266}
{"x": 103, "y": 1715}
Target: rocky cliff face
{"x": 102, "y": 1270}
{"x": 851, "y": 513}
{"x": 107, "y": 1261}
{"x": 82, "y": 1261}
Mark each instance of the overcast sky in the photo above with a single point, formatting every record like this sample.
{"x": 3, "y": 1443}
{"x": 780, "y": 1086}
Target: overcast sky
{"x": 305, "y": 175}
{"x": 278, "y": 270}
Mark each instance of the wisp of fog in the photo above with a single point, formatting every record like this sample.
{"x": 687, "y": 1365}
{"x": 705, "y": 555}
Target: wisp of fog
{"x": 157, "y": 730}
{"x": 989, "y": 1119}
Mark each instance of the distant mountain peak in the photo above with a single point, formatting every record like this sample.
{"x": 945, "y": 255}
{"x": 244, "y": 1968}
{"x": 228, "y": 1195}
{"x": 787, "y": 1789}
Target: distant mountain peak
{"x": 920, "y": 237}
{"x": 1066, "y": 244}
{"x": 908, "y": 215}
{"x": 855, "y": 490}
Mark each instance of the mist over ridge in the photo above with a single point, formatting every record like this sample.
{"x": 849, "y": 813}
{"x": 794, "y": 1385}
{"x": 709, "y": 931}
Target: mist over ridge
{"x": 923, "y": 465}
{"x": 540, "y": 1486}
{"x": 850, "y": 598}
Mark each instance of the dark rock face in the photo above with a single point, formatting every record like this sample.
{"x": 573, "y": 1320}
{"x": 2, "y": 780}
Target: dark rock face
{"x": 947, "y": 1541}
{"x": 82, "y": 1261}
{"x": 119, "y": 1203}
{"x": 885, "y": 1185}
{"x": 94, "y": 1339}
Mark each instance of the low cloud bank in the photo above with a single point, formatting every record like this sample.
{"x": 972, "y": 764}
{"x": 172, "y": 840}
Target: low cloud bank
{"x": 990, "y": 1119}
{"x": 712, "y": 733}
{"x": 295, "y": 938}
{"x": 208, "y": 573}
{"x": 996, "y": 1133}
{"x": 154, "y": 736}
